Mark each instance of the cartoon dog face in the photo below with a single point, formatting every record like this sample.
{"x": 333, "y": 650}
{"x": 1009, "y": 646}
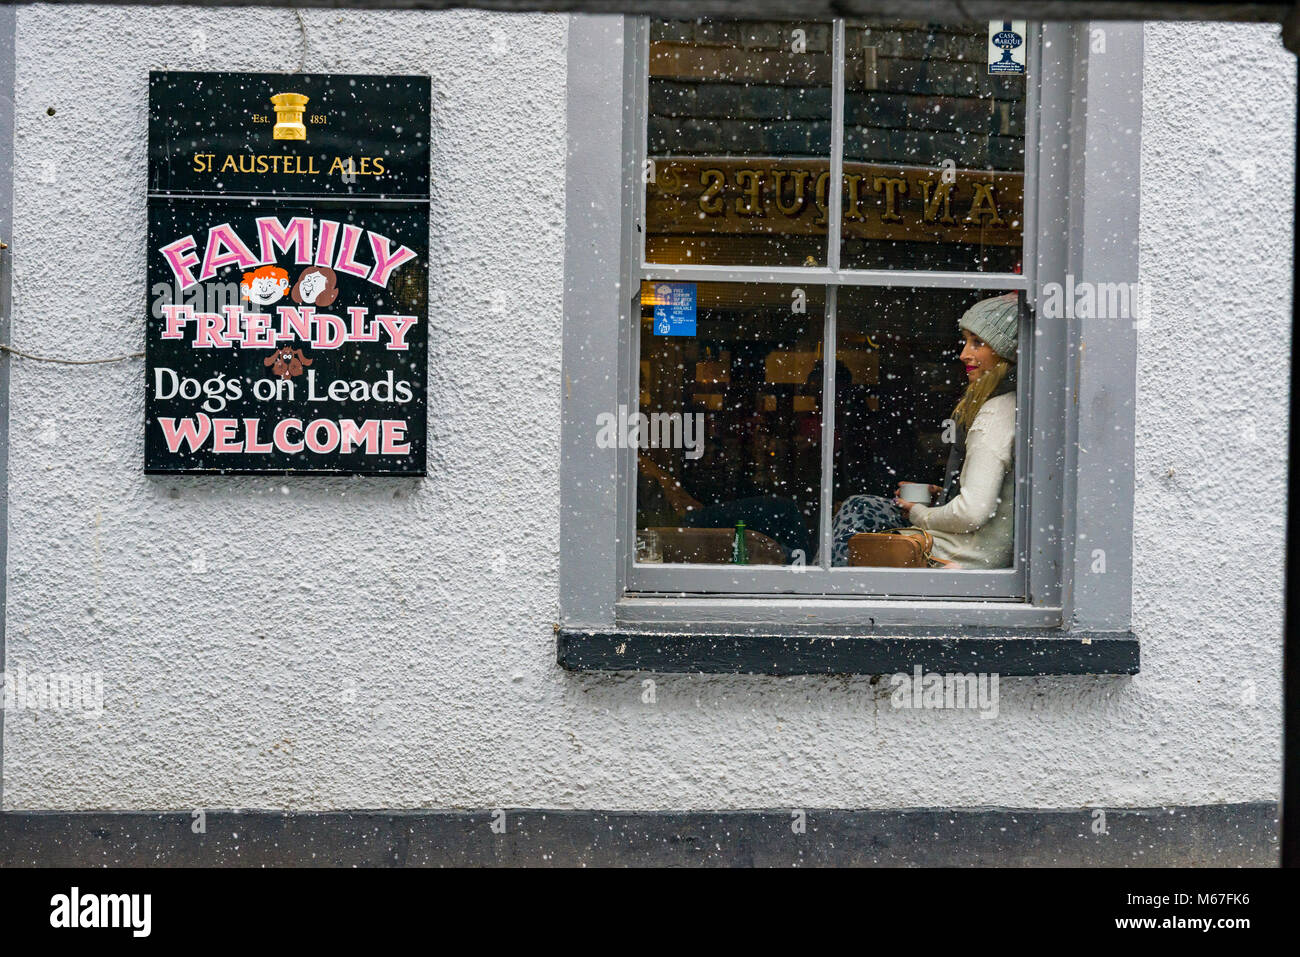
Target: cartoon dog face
{"x": 286, "y": 362}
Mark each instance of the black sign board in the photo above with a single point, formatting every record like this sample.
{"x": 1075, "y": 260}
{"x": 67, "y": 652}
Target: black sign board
{"x": 288, "y": 273}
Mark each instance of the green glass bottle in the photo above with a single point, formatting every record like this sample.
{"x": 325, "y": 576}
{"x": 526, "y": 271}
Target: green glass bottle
{"x": 739, "y": 550}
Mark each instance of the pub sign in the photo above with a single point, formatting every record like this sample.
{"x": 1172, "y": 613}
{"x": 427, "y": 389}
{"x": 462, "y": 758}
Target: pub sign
{"x": 288, "y": 273}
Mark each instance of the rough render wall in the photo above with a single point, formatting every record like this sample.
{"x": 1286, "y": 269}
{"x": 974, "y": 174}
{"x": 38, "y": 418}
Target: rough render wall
{"x": 364, "y": 643}
{"x": 1218, "y": 174}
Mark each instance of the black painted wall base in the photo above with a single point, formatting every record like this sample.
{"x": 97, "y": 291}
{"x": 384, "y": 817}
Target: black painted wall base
{"x": 1226, "y": 835}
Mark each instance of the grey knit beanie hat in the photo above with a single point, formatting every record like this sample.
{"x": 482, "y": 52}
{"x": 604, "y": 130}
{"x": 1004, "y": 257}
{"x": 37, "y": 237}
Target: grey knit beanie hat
{"x": 996, "y": 321}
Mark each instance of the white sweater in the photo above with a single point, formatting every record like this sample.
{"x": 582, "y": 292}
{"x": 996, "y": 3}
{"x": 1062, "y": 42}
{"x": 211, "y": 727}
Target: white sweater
{"x": 976, "y": 529}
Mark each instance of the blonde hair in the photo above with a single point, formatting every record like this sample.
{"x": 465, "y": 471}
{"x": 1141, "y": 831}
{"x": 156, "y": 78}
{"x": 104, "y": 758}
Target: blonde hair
{"x": 979, "y": 391}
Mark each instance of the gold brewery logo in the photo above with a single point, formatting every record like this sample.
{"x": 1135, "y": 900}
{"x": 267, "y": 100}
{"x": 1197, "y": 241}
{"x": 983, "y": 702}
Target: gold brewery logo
{"x": 290, "y": 110}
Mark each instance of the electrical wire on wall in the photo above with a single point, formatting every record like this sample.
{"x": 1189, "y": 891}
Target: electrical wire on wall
{"x": 7, "y": 349}
{"x": 11, "y": 350}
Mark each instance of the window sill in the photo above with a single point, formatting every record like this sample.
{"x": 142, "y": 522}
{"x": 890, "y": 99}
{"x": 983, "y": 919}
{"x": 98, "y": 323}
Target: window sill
{"x": 825, "y": 616}
{"x": 1001, "y": 651}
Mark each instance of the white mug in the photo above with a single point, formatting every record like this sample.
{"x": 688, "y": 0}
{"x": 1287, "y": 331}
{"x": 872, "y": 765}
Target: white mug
{"x": 915, "y": 492}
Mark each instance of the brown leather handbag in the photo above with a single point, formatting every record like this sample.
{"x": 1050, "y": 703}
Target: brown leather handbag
{"x": 895, "y": 548}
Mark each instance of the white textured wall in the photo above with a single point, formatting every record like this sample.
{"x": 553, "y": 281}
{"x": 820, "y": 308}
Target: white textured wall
{"x": 436, "y": 597}
{"x": 1218, "y": 177}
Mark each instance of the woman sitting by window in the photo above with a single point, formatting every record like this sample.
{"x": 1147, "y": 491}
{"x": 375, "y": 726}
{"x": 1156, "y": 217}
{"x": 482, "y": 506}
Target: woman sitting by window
{"x": 972, "y": 523}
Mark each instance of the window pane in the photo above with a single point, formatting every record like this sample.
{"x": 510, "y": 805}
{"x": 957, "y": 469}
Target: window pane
{"x": 934, "y": 150}
{"x": 738, "y": 135}
{"x": 744, "y": 394}
{"x": 900, "y": 373}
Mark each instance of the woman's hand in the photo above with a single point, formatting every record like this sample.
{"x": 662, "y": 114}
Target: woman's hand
{"x": 906, "y": 506}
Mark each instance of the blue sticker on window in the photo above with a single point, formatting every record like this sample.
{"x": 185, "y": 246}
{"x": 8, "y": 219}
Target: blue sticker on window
{"x": 674, "y": 308}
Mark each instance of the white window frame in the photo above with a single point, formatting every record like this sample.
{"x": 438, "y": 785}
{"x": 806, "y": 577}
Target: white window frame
{"x": 1096, "y": 110}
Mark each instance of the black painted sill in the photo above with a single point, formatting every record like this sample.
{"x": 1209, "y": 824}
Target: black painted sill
{"x": 1005, "y": 652}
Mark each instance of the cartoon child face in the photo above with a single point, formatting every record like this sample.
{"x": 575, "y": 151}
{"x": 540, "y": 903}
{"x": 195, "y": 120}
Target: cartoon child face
{"x": 311, "y": 286}
{"x": 265, "y": 290}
